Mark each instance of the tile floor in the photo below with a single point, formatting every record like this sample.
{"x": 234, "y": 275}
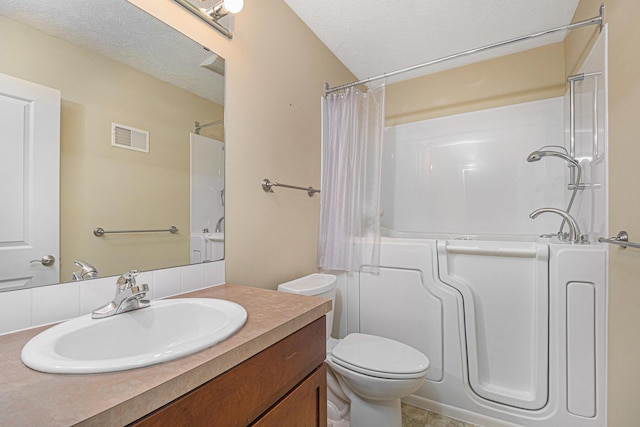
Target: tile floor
{"x": 417, "y": 417}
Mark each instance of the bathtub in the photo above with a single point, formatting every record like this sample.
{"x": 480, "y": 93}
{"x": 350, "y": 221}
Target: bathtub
{"x": 514, "y": 326}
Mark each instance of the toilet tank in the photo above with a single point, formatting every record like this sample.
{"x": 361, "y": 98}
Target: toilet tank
{"x": 317, "y": 285}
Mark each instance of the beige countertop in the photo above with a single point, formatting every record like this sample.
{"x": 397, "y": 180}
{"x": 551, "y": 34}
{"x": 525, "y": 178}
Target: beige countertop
{"x": 31, "y": 398}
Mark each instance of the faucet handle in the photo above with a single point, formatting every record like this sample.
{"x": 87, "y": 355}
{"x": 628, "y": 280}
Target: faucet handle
{"x": 127, "y": 280}
{"x": 87, "y": 271}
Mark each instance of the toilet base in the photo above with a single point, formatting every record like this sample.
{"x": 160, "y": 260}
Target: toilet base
{"x": 377, "y": 401}
{"x": 337, "y": 403}
{"x": 381, "y": 413}
{"x": 333, "y": 420}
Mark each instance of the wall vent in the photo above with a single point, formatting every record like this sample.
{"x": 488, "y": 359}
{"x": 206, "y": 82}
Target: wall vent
{"x": 129, "y": 138}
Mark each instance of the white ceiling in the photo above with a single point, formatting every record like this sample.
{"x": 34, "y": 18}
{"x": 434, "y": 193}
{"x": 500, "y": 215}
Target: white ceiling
{"x": 121, "y": 31}
{"x": 373, "y": 37}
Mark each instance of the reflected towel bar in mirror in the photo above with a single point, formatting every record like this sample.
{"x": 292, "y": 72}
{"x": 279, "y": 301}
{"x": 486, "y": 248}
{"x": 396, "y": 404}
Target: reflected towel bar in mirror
{"x": 267, "y": 187}
{"x": 621, "y": 239}
{"x": 98, "y": 232}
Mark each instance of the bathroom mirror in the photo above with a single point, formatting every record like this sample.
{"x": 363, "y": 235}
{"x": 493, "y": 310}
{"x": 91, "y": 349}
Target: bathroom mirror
{"x": 131, "y": 90}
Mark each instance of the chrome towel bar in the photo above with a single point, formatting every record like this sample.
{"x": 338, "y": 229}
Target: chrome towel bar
{"x": 621, "y": 239}
{"x": 98, "y": 232}
{"x": 267, "y": 187}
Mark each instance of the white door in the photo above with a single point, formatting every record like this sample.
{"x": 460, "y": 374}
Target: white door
{"x": 29, "y": 184}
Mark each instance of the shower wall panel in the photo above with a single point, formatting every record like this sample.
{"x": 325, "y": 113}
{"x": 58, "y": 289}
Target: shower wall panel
{"x": 468, "y": 173}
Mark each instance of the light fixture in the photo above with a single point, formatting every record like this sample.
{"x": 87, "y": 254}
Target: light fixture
{"x": 216, "y": 13}
{"x": 224, "y": 8}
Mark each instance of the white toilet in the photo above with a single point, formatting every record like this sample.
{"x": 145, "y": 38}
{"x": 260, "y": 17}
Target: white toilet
{"x": 368, "y": 374}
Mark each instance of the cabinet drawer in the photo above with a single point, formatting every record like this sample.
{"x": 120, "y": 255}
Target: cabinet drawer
{"x": 240, "y": 395}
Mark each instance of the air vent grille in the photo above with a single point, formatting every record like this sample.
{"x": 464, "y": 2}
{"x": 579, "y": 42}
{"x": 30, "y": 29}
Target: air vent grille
{"x": 129, "y": 138}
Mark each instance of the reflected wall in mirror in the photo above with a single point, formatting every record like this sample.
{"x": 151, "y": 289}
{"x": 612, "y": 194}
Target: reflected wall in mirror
{"x": 113, "y": 64}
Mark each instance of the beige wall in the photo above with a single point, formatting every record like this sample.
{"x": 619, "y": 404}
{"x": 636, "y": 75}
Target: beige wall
{"x": 276, "y": 69}
{"x": 522, "y": 77}
{"x": 624, "y": 198}
{"x": 105, "y": 186}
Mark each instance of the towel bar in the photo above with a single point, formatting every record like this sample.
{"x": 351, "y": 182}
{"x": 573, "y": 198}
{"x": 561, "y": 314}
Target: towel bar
{"x": 98, "y": 232}
{"x": 621, "y": 239}
{"x": 267, "y": 187}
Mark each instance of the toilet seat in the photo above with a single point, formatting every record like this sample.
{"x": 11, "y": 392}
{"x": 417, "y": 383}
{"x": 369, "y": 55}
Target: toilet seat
{"x": 379, "y": 357}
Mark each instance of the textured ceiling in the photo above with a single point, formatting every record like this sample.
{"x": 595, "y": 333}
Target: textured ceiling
{"x": 121, "y": 31}
{"x": 373, "y": 37}
{"x": 370, "y": 37}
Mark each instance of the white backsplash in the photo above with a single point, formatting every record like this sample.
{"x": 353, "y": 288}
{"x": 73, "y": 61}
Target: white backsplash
{"x": 26, "y": 308}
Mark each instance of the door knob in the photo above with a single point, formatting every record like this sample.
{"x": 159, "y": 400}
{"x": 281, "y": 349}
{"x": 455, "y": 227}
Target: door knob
{"x": 46, "y": 260}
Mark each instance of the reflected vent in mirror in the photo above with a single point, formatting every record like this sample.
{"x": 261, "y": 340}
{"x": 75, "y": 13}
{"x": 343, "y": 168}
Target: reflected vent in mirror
{"x": 129, "y": 138}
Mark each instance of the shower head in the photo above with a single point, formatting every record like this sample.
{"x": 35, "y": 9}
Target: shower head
{"x": 537, "y": 155}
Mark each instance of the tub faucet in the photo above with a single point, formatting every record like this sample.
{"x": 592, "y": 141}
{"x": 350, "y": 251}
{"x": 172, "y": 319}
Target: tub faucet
{"x": 219, "y": 225}
{"x": 129, "y": 297}
{"x": 574, "y": 230}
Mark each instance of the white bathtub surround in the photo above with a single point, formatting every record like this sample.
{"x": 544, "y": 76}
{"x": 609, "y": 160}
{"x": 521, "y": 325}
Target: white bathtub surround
{"x": 206, "y": 247}
{"x": 515, "y": 325}
{"x": 350, "y": 199}
{"x": 468, "y": 173}
{"x": 515, "y": 331}
{"x": 27, "y": 308}
{"x": 207, "y": 197}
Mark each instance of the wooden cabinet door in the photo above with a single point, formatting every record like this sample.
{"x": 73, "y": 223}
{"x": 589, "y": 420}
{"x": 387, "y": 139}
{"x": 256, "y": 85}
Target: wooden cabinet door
{"x": 304, "y": 406}
{"x": 241, "y": 395}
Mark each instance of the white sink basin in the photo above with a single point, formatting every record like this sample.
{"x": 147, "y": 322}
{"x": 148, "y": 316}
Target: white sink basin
{"x": 166, "y": 330}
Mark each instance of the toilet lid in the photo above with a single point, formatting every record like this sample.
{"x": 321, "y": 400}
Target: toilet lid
{"x": 379, "y": 357}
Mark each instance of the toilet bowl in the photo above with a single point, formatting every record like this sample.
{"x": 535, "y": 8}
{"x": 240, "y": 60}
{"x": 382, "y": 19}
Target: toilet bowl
{"x": 368, "y": 374}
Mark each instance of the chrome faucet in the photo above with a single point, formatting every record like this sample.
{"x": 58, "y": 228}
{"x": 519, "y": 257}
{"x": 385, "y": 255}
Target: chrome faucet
{"x": 219, "y": 225}
{"x": 129, "y": 297}
{"x": 87, "y": 271}
{"x": 574, "y": 230}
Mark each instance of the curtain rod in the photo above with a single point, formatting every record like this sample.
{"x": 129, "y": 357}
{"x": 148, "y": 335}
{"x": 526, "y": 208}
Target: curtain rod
{"x": 598, "y": 20}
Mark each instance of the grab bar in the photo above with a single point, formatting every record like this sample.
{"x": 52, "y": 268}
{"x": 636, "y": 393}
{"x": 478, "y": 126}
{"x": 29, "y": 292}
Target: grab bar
{"x": 267, "y": 187}
{"x": 621, "y": 239}
{"x": 99, "y": 232}
{"x": 504, "y": 252}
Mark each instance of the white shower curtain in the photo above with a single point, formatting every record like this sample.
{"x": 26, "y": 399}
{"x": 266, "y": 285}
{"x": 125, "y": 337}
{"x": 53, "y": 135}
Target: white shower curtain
{"x": 349, "y": 235}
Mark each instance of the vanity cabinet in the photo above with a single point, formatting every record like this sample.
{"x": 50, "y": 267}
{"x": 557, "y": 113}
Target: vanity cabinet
{"x": 284, "y": 385}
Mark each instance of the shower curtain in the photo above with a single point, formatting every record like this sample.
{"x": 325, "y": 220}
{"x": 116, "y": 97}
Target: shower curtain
{"x": 349, "y": 234}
